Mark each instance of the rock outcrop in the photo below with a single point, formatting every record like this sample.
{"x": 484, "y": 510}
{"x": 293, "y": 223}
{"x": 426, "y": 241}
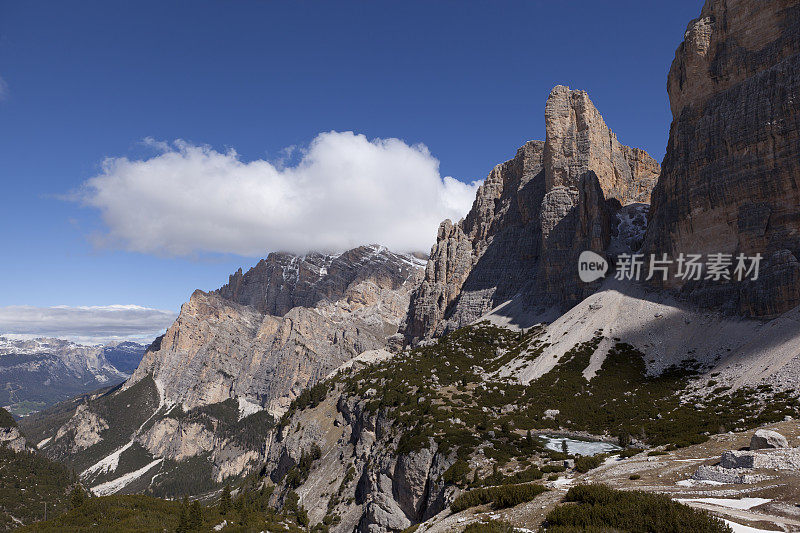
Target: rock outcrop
{"x": 531, "y": 218}
{"x": 730, "y": 178}
{"x": 361, "y": 475}
{"x": 766, "y": 438}
{"x": 285, "y": 324}
{"x": 11, "y": 438}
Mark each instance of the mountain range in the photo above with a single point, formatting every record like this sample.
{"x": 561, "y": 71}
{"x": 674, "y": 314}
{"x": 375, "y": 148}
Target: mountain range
{"x": 381, "y": 391}
{"x": 40, "y": 372}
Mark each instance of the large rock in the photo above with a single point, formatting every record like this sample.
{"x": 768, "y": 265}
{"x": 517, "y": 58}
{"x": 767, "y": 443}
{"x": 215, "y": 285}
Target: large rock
{"x": 11, "y": 438}
{"x": 729, "y": 182}
{"x": 530, "y": 220}
{"x": 765, "y": 438}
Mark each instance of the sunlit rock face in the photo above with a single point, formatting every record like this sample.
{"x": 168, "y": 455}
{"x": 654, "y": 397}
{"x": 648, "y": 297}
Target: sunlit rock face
{"x": 283, "y": 325}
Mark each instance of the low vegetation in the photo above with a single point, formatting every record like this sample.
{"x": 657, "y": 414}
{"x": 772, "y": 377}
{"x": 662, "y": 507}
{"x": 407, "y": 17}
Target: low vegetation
{"x": 499, "y": 497}
{"x": 28, "y": 483}
{"x": 600, "y": 508}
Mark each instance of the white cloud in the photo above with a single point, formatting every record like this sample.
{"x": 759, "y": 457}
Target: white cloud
{"x": 3, "y": 89}
{"x": 91, "y": 324}
{"x": 344, "y": 191}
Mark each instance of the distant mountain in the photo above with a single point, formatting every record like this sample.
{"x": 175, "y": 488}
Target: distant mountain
{"x": 41, "y": 372}
{"x": 124, "y": 356}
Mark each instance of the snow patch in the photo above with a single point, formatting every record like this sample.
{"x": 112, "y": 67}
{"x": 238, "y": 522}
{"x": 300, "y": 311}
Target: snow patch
{"x": 110, "y": 487}
{"x": 739, "y": 528}
{"x": 742, "y": 504}
{"x": 108, "y": 463}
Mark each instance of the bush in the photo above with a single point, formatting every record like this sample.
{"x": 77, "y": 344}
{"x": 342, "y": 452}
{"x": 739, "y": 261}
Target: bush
{"x": 600, "y": 508}
{"x": 630, "y": 452}
{"x": 457, "y": 473}
{"x": 634, "y": 477}
{"x": 500, "y": 497}
{"x": 584, "y": 463}
{"x": 492, "y": 526}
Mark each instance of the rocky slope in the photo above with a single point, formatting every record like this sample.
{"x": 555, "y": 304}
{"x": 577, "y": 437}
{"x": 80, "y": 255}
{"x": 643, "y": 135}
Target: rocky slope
{"x": 531, "y": 218}
{"x": 729, "y": 182}
{"x": 41, "y": 372}
{"x": 387, "y": 446}
{"x": 198, "y": 409}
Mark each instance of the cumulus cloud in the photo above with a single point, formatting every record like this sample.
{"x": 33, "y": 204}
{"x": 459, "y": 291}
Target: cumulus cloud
{"x": 92, "y": 324}
{"x": 343, "y": 191}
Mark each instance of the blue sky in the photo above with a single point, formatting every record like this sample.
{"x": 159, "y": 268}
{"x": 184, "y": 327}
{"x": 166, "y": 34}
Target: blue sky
{"x": 85, "y": 81}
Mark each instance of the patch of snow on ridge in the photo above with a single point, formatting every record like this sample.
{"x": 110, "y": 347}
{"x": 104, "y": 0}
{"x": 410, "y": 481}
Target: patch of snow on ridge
{"x": 739, "y": 528}
{"x": 110, "y": 487}
{"x": 108, "y": 463}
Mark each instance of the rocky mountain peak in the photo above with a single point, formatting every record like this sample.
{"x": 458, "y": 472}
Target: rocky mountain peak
{"x": 530, "y": 220}
{"x": 284, "y": 281}
{"x": 578, "y": 141}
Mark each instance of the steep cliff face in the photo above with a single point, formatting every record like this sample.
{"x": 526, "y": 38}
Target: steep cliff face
{"x": 731, "y": 175}
{"x": 283, "y": 325}
{"x": 530, "y": 220}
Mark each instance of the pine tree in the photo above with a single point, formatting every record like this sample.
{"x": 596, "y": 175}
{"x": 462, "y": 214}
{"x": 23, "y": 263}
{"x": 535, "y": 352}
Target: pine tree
{"x": 183, "y": 518}
{"x": 77, "y": 497}
{"x": 195, "y": 516}
{"x": 225, "y": 500}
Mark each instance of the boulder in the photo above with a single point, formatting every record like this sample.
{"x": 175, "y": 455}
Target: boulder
{"x": 765, "y": 438}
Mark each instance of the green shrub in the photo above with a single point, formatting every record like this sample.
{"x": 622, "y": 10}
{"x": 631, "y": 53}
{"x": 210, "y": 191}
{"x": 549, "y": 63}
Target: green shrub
{"x": 634, "y": 477}
{"x": 600, "y": 508}
{"x": 500, "y": 497}
{"x": 457, "y": 473}
{"x": 584, "y": 463}
{"x": 492, "y": 526}
{"x": 630, "y": 452}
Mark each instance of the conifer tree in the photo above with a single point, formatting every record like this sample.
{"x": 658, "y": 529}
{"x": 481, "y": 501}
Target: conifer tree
{"x": 225, "y": 500}
{"x": 195, "y": 516}
{"x": 77, "y": 497}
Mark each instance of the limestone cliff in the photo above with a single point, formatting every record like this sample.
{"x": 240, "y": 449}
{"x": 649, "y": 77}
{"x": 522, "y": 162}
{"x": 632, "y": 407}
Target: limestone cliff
{"x": 281, "y": 326}
{"x": 530, "y": 220}
{"x": 731, "y": 176}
